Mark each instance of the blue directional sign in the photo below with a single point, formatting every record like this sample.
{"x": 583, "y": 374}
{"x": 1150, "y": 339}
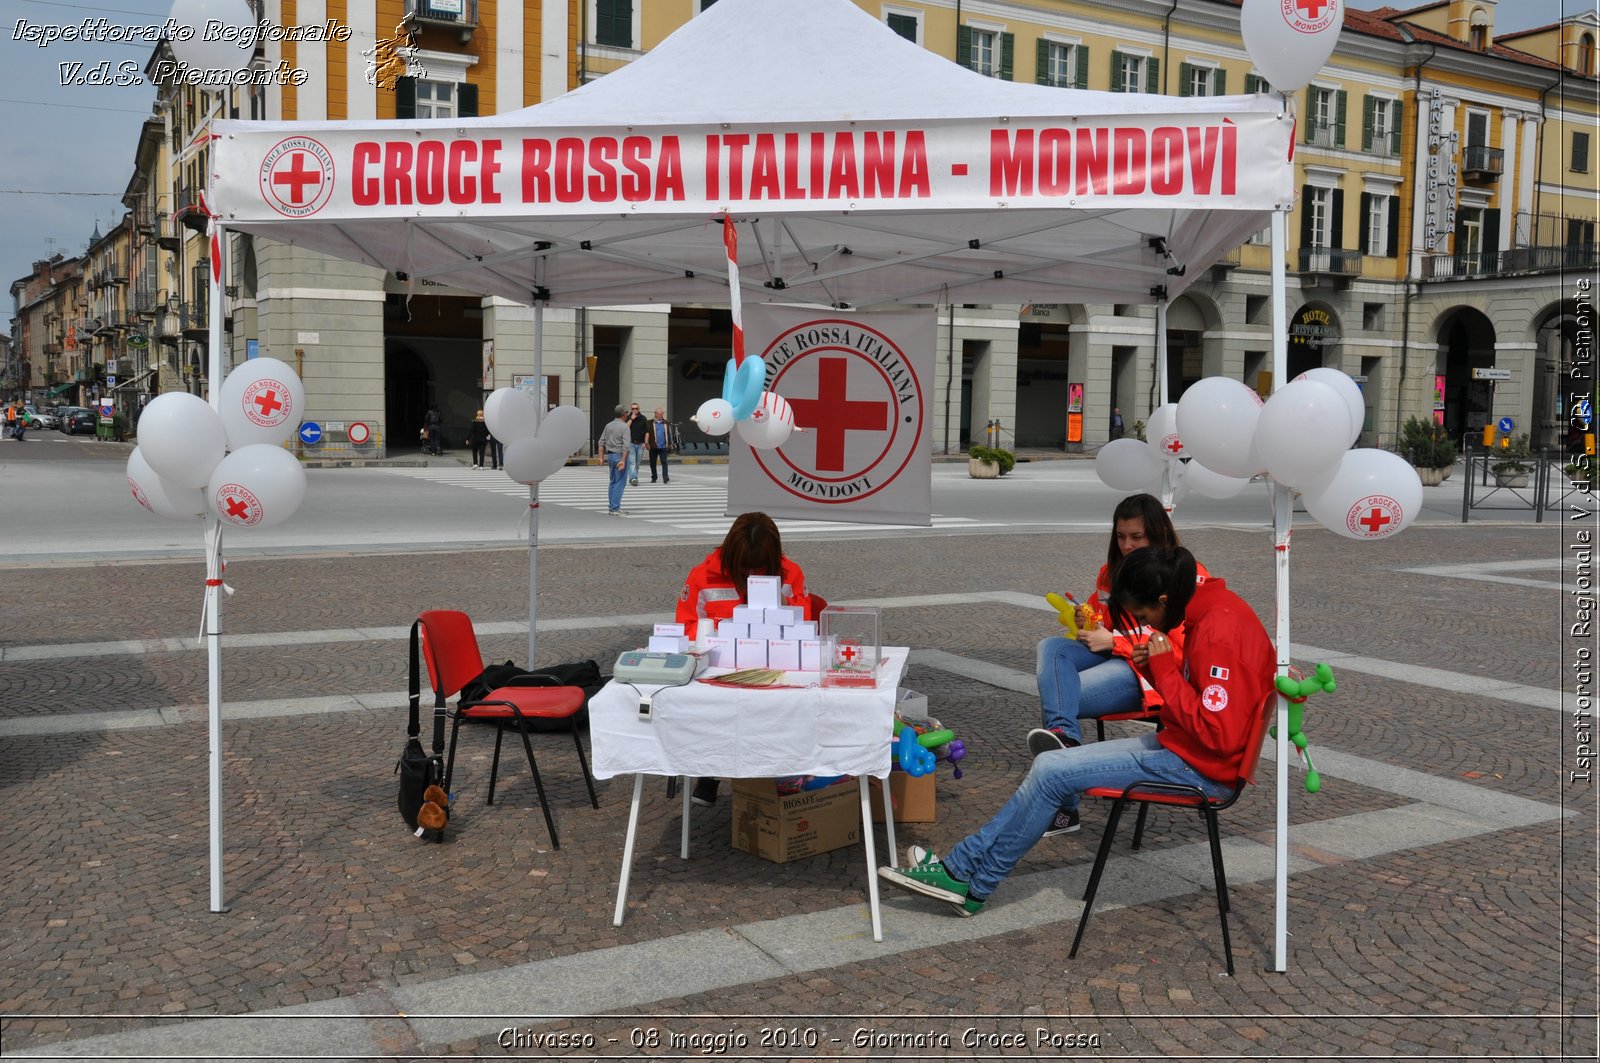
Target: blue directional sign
{"x": 1585, "y": 414}
{"x": 1507, "y": 425}
{"x": 310, "y": 433}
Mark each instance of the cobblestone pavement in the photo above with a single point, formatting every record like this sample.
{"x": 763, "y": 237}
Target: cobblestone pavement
{"x": 1477, "y": 939}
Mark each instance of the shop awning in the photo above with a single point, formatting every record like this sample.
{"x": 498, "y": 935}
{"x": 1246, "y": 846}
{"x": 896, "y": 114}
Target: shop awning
{"x": 61, "y": 389}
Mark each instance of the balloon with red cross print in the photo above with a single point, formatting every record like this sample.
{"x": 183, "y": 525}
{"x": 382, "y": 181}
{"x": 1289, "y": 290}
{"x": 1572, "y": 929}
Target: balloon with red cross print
{"x": 1162, "y": 432}
{"x": 262, "y": 401}
{"x": 769, "y": 424}
{"x": 256, "y": 487}
{"x": 161, "y": 496}
{"x": 1289, "y": 40}
{"x": 1370, "y": 495}
{"x": 182, "y": 438}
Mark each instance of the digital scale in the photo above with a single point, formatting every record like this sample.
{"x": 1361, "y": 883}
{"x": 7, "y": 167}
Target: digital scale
{"x": 642, "y": 666}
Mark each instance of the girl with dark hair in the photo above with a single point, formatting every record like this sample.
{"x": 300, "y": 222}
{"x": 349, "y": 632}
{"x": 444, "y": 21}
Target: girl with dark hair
{"x": 1102, "y": 671}
{"x": 1211, "y": 702}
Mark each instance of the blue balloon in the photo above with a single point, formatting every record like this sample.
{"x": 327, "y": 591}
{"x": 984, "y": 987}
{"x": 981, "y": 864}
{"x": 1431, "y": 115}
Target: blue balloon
{"x": 742, "y": 385}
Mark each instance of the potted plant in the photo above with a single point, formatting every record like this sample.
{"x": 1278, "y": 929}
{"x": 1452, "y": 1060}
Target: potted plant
{"x": 987, "y": 463}
{"x": 1512, "y": 462}
{"x": 1428, "y": 447}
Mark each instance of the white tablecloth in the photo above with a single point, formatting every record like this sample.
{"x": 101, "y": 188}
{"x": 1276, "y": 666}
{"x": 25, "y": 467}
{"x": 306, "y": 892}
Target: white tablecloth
{"x": 748, "y": 733}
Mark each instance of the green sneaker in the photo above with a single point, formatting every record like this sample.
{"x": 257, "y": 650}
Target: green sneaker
{"x": 927, "y": 876}
{"x": 967, "y": 907}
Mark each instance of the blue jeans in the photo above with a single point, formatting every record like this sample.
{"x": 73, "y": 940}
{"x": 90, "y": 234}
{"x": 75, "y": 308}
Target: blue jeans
{"x": 619, "y": 480}
{"x": 1056, "y": 779}
{"x": 1075, "y": 683}
{"x": 634, "y": 450}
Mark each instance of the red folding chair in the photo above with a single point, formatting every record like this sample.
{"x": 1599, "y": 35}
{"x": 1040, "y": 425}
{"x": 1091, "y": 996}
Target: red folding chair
{"x": 1147, "y": 792}
{"x": 449, "y": 647}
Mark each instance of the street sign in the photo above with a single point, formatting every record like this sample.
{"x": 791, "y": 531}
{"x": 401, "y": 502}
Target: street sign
{"x": 359, "y": 433}
{"x": 310, "y": 433}
{"x": 1584, "y": 415}
{"x": 111, "y": 381}
{"x": 1491, "y": 374}
{"x": 105, "y": 408}
{"x": 138, "y": 341}
{"x": 1507, "y": 425}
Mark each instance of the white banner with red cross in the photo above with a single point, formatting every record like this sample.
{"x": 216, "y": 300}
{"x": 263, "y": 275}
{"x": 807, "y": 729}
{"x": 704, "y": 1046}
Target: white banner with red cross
{"x": 860, "y": 387}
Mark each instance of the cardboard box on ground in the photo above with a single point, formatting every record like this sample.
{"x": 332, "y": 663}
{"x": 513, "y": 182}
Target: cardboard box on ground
{"x": 915, "y": 800}
{"x": 785, "y": 827}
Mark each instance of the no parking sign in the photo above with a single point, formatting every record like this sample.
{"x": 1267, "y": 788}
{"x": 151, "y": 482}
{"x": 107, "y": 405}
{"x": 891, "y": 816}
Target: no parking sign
{"x": 358, "y": 432}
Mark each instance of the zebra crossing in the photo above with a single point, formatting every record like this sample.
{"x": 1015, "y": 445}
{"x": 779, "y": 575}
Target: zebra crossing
{"x": 690, "y": 503}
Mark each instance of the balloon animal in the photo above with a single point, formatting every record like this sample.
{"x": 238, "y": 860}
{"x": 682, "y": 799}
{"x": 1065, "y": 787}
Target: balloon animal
{"x": 1297, "y": 690}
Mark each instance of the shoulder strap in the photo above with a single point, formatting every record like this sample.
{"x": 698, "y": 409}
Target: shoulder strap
{"x": 414, "y": 694}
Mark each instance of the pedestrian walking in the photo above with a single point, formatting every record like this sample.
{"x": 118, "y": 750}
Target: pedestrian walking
{"x": 614, "y": 448}
{"x": 638, "y": 428}
{"x": 661, "y": 438}
{"x": 497, "y": 452}
{"x": 478, "y": 440}
{"x": 1116, "y": 422}
{"x": 18, "y": 419}
{"x": 433, "y": 424}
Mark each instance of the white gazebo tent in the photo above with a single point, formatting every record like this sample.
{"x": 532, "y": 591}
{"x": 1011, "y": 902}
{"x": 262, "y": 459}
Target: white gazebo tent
{"x": 860, "y": 169}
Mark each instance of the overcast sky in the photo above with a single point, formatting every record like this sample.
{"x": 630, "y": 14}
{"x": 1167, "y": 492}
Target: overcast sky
{"x": 68, "y": 149}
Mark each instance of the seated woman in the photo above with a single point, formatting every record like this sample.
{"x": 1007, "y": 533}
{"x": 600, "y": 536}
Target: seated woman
{"x": 752, "y": 547}
{"x": 1209, "y": 708}
{"x": 1103, "y": 670}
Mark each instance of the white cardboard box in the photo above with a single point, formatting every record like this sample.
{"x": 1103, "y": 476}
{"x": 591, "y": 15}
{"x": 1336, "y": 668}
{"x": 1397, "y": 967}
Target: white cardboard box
{"x": 761, "y": 592}
{"x": 805, "y": 629}
{"x": 670, "y": 629}
{"x": 810, "y": 655}
{"x": 784, "y": 614}
{"x": 766, "y": 631}
{"x": 732, "y": 629}
{"x": 750, "y": 653}
{"x": 720, "y": 653}
{"x": 749, "y": 614}
{"x": 783, "y": 653}
{"x": 669, "y": 644}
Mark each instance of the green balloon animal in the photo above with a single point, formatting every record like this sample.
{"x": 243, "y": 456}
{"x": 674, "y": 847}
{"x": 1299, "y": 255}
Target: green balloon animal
{"x": 1297, "y": 689}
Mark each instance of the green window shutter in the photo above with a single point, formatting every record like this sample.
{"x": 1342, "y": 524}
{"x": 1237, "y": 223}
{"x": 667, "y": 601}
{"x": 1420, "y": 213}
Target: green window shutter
{"x": 1366, "y": 212}
{"x": 1041, "y": 62}
{"x": 1252, "y": 84}
{"x": 1491, "y": 236}
{"x": 1306, "y": 235}
{"x": 1336, "y": 220}
{"x": 1369, "y": 106}
{"x": 1397, "y": 111}
{"x": 466, "y": 100}
{"x": 1152, "y": 75}
{"x": 405, "y": 97}
{"x": 1008, "y": 52}
{"x": 1310, "y": 116}
{"x": 1081, "y": 59}
{"x": 1185, "y": 73}
{"x": 964, "y": 46}
{"x": 1219, "y": 82}
{"x": 1116, "y": 71}
{"x": 1394, "y": 228}
{"x": 1340, "y": 99}
{"x": 613, "y": 23}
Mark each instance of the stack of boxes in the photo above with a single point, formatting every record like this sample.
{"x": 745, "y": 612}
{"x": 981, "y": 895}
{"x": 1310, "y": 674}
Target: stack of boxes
{"x": 765, "y": 634}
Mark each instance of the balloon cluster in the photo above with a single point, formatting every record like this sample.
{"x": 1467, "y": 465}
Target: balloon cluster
{"x": 192, "y": 460}
{"x": 1301, "y": 437}
{"x": 763, "y": 418}
{"x": 918, "y": 747}
{"x": 535, "y": 448}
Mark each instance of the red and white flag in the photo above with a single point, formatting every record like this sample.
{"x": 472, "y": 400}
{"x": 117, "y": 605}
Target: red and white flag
{"x": 730, "y": 240}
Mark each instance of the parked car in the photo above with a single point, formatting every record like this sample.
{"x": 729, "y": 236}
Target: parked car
{"x": 76, "y": 419}
{"x": 36, "y": 418}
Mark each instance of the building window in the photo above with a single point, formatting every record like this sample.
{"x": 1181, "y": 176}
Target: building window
{"x": 1580, "y": 152}
{"x": 906, "y": 25}
{"x": 435, "y": 99}
{"x": 983, "y": 52}
{"x": 613, "y": 23}
{"x": 1586, "y": 54}
{"x": 1477, "y": 129}
{"x": 1478, "y": 33}
{"x": 1325, "y": 122}
{"x": 1580, "y": 232}
{"x": 1319, "y": 212}
{"x": 1381, "y": 126}
{"x": 1060, "y": 65}
{"x": 1197, "y": 80}
{"x": 1255, "y": 83}
{"x": 1380, "y": 231}
{"x": 986, "y": 51}
{"x": 1129, "y": 74}
{"x": 1469, "y": 232}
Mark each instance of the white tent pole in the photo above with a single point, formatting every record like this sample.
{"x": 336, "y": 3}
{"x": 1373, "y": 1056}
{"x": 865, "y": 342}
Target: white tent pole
{"x": 533, "y": 493}
{"x": 1162, "y": 385}
{"x": 1280, "y": 536}
{"x": 213, "y": 607}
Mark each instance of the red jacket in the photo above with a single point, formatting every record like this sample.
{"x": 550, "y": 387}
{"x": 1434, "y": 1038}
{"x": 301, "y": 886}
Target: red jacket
{"x": 1215, "y": 694}
{"x": 1124, "y": 639}
{"x": 708, "y": 594}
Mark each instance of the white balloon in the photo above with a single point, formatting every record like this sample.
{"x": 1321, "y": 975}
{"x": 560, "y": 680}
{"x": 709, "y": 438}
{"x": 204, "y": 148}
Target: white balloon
{"x": 1203, "y": 481}
{"x": 256, "y": 487}
{"x": 190, "y": 20}
{"x": 1128, "y": 465}
{"x": 529, "y": 461}
{"x": 1371, "y": 494}
{"x": 1217, "y": 422}
{"x": 769, "y": 424}
{"x": 565, "y": 428}
{"x": 263, "y": 401}
{"x": 511, "y": 414}
{"x": 1289, "y": 42}
{"x": 162, "y": 497}
{"x": 714, "y": 417}
{"x": 182, "y": 438}
{"x": 1303, "y": 432}
{"x": 1348, "y": 390}
{"x": 1162, "y": 432}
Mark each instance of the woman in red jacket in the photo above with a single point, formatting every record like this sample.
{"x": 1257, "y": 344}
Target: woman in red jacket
{"x": 752, "y": 547}
{"x": 1210, "y": 702}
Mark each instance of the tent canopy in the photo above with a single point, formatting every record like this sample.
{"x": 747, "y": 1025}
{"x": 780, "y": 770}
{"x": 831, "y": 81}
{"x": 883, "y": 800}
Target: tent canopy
{"x": 861, "y": 169}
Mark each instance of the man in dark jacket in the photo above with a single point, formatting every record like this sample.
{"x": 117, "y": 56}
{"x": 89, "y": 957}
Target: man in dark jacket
{"x": 638, "y": 429}
{"x": 661, "y": 438}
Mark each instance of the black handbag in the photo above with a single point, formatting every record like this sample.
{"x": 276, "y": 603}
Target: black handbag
{"x": 424, "y": 805}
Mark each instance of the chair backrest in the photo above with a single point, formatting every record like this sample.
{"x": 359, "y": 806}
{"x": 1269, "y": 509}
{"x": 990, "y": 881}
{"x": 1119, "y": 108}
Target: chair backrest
{"x": 450, "y": 650}
{"x": 1258, "y": 737}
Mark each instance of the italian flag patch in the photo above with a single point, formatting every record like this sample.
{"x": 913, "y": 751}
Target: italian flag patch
{"x": 1218, "y": 672}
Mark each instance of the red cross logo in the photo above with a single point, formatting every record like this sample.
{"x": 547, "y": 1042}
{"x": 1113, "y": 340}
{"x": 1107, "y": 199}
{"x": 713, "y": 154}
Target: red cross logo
{"x": 1172, "y": 444}
{"x": 238, "y": 510}
{"x": 1374, "y": 517}
{"x": 296, "y": 177}
{"x": 1309, "y": 16}
{"x": 1311, "y": 9}
{"x": 267, "y": 402}
{"x": 849, "y": 653}
{"x": 1214, "y": 698}
{"x": 831, "y": 414}
{"x": 1375, "y": 520}
{"x": 238, "y": 505}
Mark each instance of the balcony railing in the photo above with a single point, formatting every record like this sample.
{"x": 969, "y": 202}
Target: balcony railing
{"x": 1334, "y": 261}
{"x": 1566, "y": 258}
{"x": 1480, "y": 160}
{"x": 166, "y": 232}
{"x": 189, "y": 211}
{"x": 456, "y": 14}
{"x": 1319, "y": 135}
